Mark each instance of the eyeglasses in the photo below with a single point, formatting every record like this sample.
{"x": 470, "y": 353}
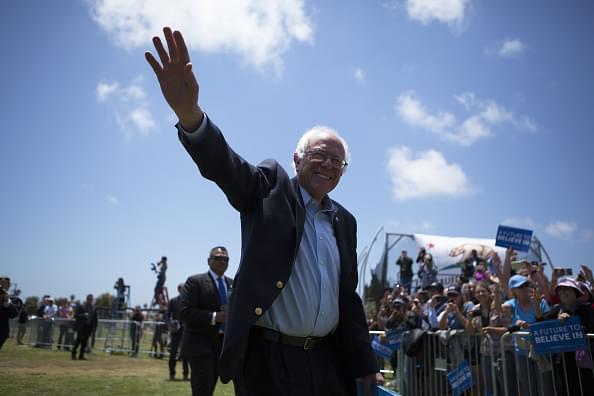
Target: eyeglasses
{"x": 320, "y": 156}
{"x": 219, "y": 258}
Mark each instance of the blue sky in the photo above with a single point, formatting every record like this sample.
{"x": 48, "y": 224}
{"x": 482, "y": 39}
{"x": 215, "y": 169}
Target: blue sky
{"x": 460, "y": 114}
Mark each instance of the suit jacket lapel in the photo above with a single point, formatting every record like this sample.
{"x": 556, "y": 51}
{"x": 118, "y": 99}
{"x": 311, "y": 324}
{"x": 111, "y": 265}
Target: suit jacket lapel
{"x": 214, "y": 289}
{"x": 299, "y": 214}
{"x": 341, "y": 243}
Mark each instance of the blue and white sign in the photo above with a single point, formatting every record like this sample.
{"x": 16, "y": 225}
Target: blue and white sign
{"x": 460, "y": 378}
{"x": 380, "y": 349}
{"x": 394, "y": 336}
{"x": 516, "y": 238}
{"x": 553, "y": 336}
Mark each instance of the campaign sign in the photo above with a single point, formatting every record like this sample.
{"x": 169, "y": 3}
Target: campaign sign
{"x": 380, "y": 349}
{"x": 554, "y": 336}
{"x": 516, "y": 238}
{"x": 394, "y": 336}
{"x": 460, "y": 378}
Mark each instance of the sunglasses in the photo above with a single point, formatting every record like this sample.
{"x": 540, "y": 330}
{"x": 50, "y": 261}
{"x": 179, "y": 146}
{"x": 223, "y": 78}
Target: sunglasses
{"x": 219, "y": 258}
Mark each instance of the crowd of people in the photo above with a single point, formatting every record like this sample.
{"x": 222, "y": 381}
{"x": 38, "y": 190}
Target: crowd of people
{"x": 492, "y": 297}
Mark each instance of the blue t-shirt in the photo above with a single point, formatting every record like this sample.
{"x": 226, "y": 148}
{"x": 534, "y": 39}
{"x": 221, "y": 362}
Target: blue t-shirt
{"x": 528, "y": 316}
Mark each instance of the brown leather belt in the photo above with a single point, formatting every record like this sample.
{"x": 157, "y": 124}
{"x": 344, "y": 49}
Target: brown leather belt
{"x": 305, "y": 343}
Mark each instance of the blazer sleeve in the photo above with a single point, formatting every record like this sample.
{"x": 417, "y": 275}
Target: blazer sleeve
{"x": 191, "y": 300}
{"x": 243, "y": 183}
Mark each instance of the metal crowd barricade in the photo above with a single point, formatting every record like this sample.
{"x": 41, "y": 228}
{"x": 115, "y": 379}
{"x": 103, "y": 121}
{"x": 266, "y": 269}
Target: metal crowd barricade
{"x": 426, "y": 373}
{"x": 500, "y": 365}
{"x": 528, "y": 373}
{"x": 152, "y": 332}
{"x": 41, "y": 332}
{"x": 117, "y": 335}
{"x": 114, "y": 336}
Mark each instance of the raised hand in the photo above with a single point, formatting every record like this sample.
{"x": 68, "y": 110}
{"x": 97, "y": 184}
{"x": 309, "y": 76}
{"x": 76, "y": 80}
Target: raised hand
{"x": 587, "y": 273}
{"x": 176, "y": 78}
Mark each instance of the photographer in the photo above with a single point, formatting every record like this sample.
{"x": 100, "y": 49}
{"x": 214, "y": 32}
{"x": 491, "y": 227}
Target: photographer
{"x": 453, "y": 317}
{"x": 160, "y": 269}
{"x": 435, "y": 305}
{"x": 7, "y": 309}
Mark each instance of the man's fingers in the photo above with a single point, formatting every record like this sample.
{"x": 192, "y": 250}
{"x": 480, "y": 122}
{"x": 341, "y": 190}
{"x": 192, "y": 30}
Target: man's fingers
{"x": 161, "y": 51}
{"x": 154, "y": 64}
{"x": 182, "y": 50}
{"x": 189, "y": 77}
{"x": 173, "y": 55}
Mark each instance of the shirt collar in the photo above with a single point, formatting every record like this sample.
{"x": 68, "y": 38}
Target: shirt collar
{"x": 327, "y": 204}
{"x": 215, "y": 276}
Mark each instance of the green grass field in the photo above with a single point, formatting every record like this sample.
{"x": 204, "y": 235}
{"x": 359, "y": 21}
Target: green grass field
{"x": 32, "y": 371}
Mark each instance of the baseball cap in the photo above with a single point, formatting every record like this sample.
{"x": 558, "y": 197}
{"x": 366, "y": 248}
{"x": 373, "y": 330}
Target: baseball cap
{"x": 517, "y": 281}
{"x": 398, "y": 301}
{"x": 454, "y": 289}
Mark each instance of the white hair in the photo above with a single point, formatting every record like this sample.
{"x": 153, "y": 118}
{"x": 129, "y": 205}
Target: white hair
{"x": 315, "y": 132}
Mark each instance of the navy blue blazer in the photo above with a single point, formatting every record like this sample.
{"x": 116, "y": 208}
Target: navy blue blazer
{"x": 272, "y": 218}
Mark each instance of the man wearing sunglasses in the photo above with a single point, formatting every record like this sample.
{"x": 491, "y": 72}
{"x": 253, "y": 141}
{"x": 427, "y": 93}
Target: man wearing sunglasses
{"x": 203, "y": 306}
{"x": 295, "y": 324}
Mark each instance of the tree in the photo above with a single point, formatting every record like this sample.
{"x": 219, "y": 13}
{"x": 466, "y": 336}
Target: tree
{"x": 31, "y": 304}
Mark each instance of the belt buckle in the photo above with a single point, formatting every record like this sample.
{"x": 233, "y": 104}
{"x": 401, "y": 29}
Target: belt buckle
{"x": 309, "y": 343}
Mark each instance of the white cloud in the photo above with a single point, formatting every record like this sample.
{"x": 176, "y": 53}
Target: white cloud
{"x": 412, "y": 111}
{"x": 260, "y": 31}
{"x": 112, "y": 200}
{"x": 561, "y": 229}
{"x": 133, "y": 92}
{"x": 142, "y": 119}
{"x": 483, "y": 116}
{"x": 423, "y": 175}
{"x": 129, "y": 107}
{"x": 104, "y": 90}
{"x": 510, "y": 47}
{"x": 451, "y": 12}
{"x": 359, "y": 75}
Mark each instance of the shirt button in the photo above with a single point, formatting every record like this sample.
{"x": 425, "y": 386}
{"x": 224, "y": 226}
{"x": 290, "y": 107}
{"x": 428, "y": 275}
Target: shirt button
{"x": 258, "y": 311}
{"x": 279, "y": 284}
{"x": 321, "y": 238}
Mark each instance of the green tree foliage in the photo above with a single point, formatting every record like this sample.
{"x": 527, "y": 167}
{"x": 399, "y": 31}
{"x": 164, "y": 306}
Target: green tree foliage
{"x": 31, "y": 305}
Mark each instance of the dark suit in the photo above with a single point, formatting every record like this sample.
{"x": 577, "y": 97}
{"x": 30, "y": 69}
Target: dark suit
{"x": 85, "y": 317}
{"x": 272, "y": 222}
{"x": 202, "y": 342}
{"x": 176, "y": 329}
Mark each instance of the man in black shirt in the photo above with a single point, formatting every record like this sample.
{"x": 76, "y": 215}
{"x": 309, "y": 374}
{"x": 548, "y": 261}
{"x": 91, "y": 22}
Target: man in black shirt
{"x": 405, "y": 263}
{"x": 85, "y": 317}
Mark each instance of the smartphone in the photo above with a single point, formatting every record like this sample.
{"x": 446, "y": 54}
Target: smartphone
{"x": 560, "y": 271}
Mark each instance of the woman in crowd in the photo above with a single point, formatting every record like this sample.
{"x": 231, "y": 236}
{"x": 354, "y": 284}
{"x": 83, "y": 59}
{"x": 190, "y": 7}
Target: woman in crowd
{"x": 573, "y": 369}
{"x": 489, "y": 320}
{"x": 454, "y": 317}
{"x": 524, "y": 307}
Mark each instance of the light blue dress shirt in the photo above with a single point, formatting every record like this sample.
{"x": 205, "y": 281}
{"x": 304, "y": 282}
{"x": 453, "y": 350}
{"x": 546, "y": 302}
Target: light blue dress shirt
{"x": 308, "y": 304}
